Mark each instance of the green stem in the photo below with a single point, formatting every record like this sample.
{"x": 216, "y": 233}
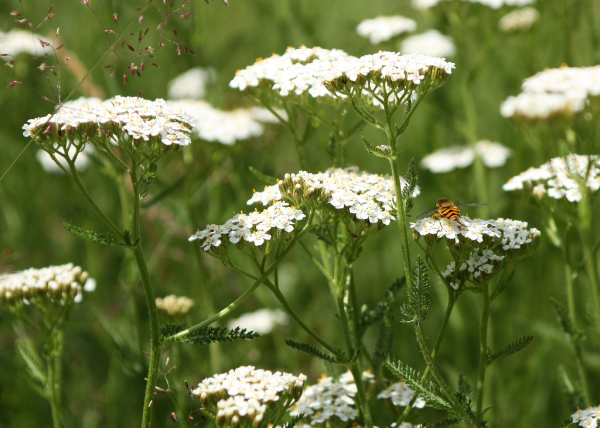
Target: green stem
{"x": 585, "y": 228}
{"x": 54, "y": 348}
{"x": 438, "y": 342}
{"x": 402, "y": 223}
{"x": 362, "y": 395}
{"x": 483, "y": 332}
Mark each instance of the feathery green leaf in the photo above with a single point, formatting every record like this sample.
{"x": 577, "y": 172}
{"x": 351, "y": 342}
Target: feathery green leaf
{"x": 205, "y": 335}
{"x": 502, "y": 283}
{"x": 513, "y": 348}
{"x": 310, "y": 350}
{"x": 148, "y": 179}
{"x": 35, "y": 367}
{"x": 419, "y": 297}
{"x": 410, "y": 186}
{"x": 267, "y": 179}
{"x": 566, "y": 322}
{"x": 370, "y": 317}
{"x": 98, "y": 238}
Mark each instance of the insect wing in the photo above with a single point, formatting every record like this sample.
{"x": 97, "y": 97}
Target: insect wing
{"x": 428, "y": 213}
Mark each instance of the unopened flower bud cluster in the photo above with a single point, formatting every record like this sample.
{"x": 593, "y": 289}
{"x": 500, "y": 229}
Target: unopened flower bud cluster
{"x": 588, "y": 418}
{"x": 383, "y": 28}
{"x": 174, "y": 305}
{"x": 400, "y": 395}
{"x": 556, "y": 92}
{"x": 559, "y": 178}
{"x": 255, "y": 228}
{"x": 149, "y": 125}
{"x": 329, "y": 400}
{"x": 249, "y": 397}
{"x": 58, "y": 285}
{"x": 356, "y": 195}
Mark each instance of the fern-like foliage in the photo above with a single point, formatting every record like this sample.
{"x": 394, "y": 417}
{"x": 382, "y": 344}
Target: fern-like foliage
{"x": 567, "y": 324}
{"x": 377, "y": 150}
{"x": 363, "y": 115}
{"x": 419, "y": 297}
{"x": 442, "y": 424}
{"x": 425, "y": 389}
{"x": 293, "y": 422}
{"x": 410, "y": 186}
{"x": 267, "y": 179}
{"x": 567, "y": 422}
{"x": 311, "y": 350}
{"x": 573, "y": 393}
{"x": 513, "y": 348}
{"x": 464, "y": 387}
{"x": 35, "y": 368}
{"x": 502, "y": 283}
{"x": 405, "y": 119}
{"x": 205, "y": 335}
{"x": 148, "y": 179}
{"x": 321, "y": 233}
{"x": 98, "y": 238}
{"x": 369, "y": 317}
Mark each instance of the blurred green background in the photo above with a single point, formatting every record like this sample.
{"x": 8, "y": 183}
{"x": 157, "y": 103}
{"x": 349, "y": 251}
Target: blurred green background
{"x": 103, "y": 383}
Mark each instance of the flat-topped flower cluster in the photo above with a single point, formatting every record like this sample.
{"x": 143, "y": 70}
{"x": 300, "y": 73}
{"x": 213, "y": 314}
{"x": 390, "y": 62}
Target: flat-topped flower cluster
{"x": 249, "y": 397}
{"x": 587, "y": 418}
{"x": 431, "y": 42}
{"x": 401, "y": 395}
{"x": 493, "y": 4}
{"x": 329, "y": 400}
{"x": 59, "y": 285}
{"x": 144, "y": 122}
{"x": 519, "y": 20}
{"x": 492, "y": 154}
{"x": 560, "y": 178}
{"x": 253, "y": 228}
{"x": 361, "y": 195}
{"x": 556, "y": 92}
{"x": 383, "y": 28}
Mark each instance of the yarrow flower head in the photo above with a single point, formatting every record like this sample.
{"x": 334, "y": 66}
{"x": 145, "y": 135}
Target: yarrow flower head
{"x": 173, "y": 305}
{"x": 431, "y": 42}
{"x": 400, "y": 395}
{"x": 262, "y": 321}
{"x": 493, "y": 4}
{"x": 492, "y": 154}
{"x": 383, "y": 28}
{"x": 560, "y": 178}
{"x": 399, "y": 76}
{"x": 248, "y": 397}
{"x": 149, "y": 126}
{"x": 519, "y": 20}
{"x": 191, "y": 84}
{"x": 17, "y": 42}
{"x": 329, "y": 400}
{"x": 481, "y": 247}
{"x": 554, "y": 93}
{"x": 587, "y": 418}
{"x": 54, "y": 286}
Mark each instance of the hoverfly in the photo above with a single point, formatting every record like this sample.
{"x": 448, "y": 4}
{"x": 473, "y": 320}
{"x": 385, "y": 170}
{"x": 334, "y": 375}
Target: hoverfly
{"x": 447, "y": 209}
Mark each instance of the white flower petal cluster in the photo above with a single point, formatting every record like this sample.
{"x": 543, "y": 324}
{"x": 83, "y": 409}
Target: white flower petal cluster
{"x": 253, "y": 227}
{"x": 191, "y": 84}
{"x": 61, "y": 285}
{"x": 431, "y": 42}
{"x": 383, "y": 28}
{"x": 492, "y": 154}
{"x": 16, "y": 42}
{"x": 494, "y": 4}
{"x": 368, "y": 197}
{"x": 212, "y": 124}
{"x": 328, "y": 399}
{"x": 262, "y": 321}
{"x": 554, "y": 92}
{"x": 401, "y": 395}
{"x": 141, "y": 119}
{"x": 174, "y": 305}
{"x": 559, "y": 178}
{"x": 479, "y": 263}
{"x": 519, "y": 20}
{"x": 587, "y": 418}
{"x": 472, "y": 229}
{"x": 246, "y": 396}
{"x": 300, "y": 71}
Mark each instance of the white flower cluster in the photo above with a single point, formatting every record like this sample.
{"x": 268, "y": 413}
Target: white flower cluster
{"x": 368, "y": 197}
{"x": 16, "y": 42}
{"x": 225, "y": 127}
{"x": 262, "y": 321}
{"x": 559, "y": 178}
{"x": 478, "y": 264}
{"x": 587, "y": 418}
{"x": 519, "y": 20}
{"x": 140, "y": 119}
{"x": 174, "y": 305}
{"x": 253, "y": 227}
{"x": 297, "y": 72}
{"x": 329, "y": 399}
{"x": 61, "y": 285}
{"x": 431, "y": 42}
{"x": 383, "y": 28}
{"x": 247, "y": 396}
{"x": 494, "y": 4}
{"x": 401, "y": 395}
{"x": 492, "y": 154}
{"x": 554, "y": 92}
{"x": 191, "y": 84}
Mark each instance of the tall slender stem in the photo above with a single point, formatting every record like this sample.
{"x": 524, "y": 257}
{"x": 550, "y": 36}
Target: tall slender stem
{"x": 483, "y": 331}
{"x": 585, "y": 228}
{"x": 54, "y": 381}
{"x": 402, "y": 223}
